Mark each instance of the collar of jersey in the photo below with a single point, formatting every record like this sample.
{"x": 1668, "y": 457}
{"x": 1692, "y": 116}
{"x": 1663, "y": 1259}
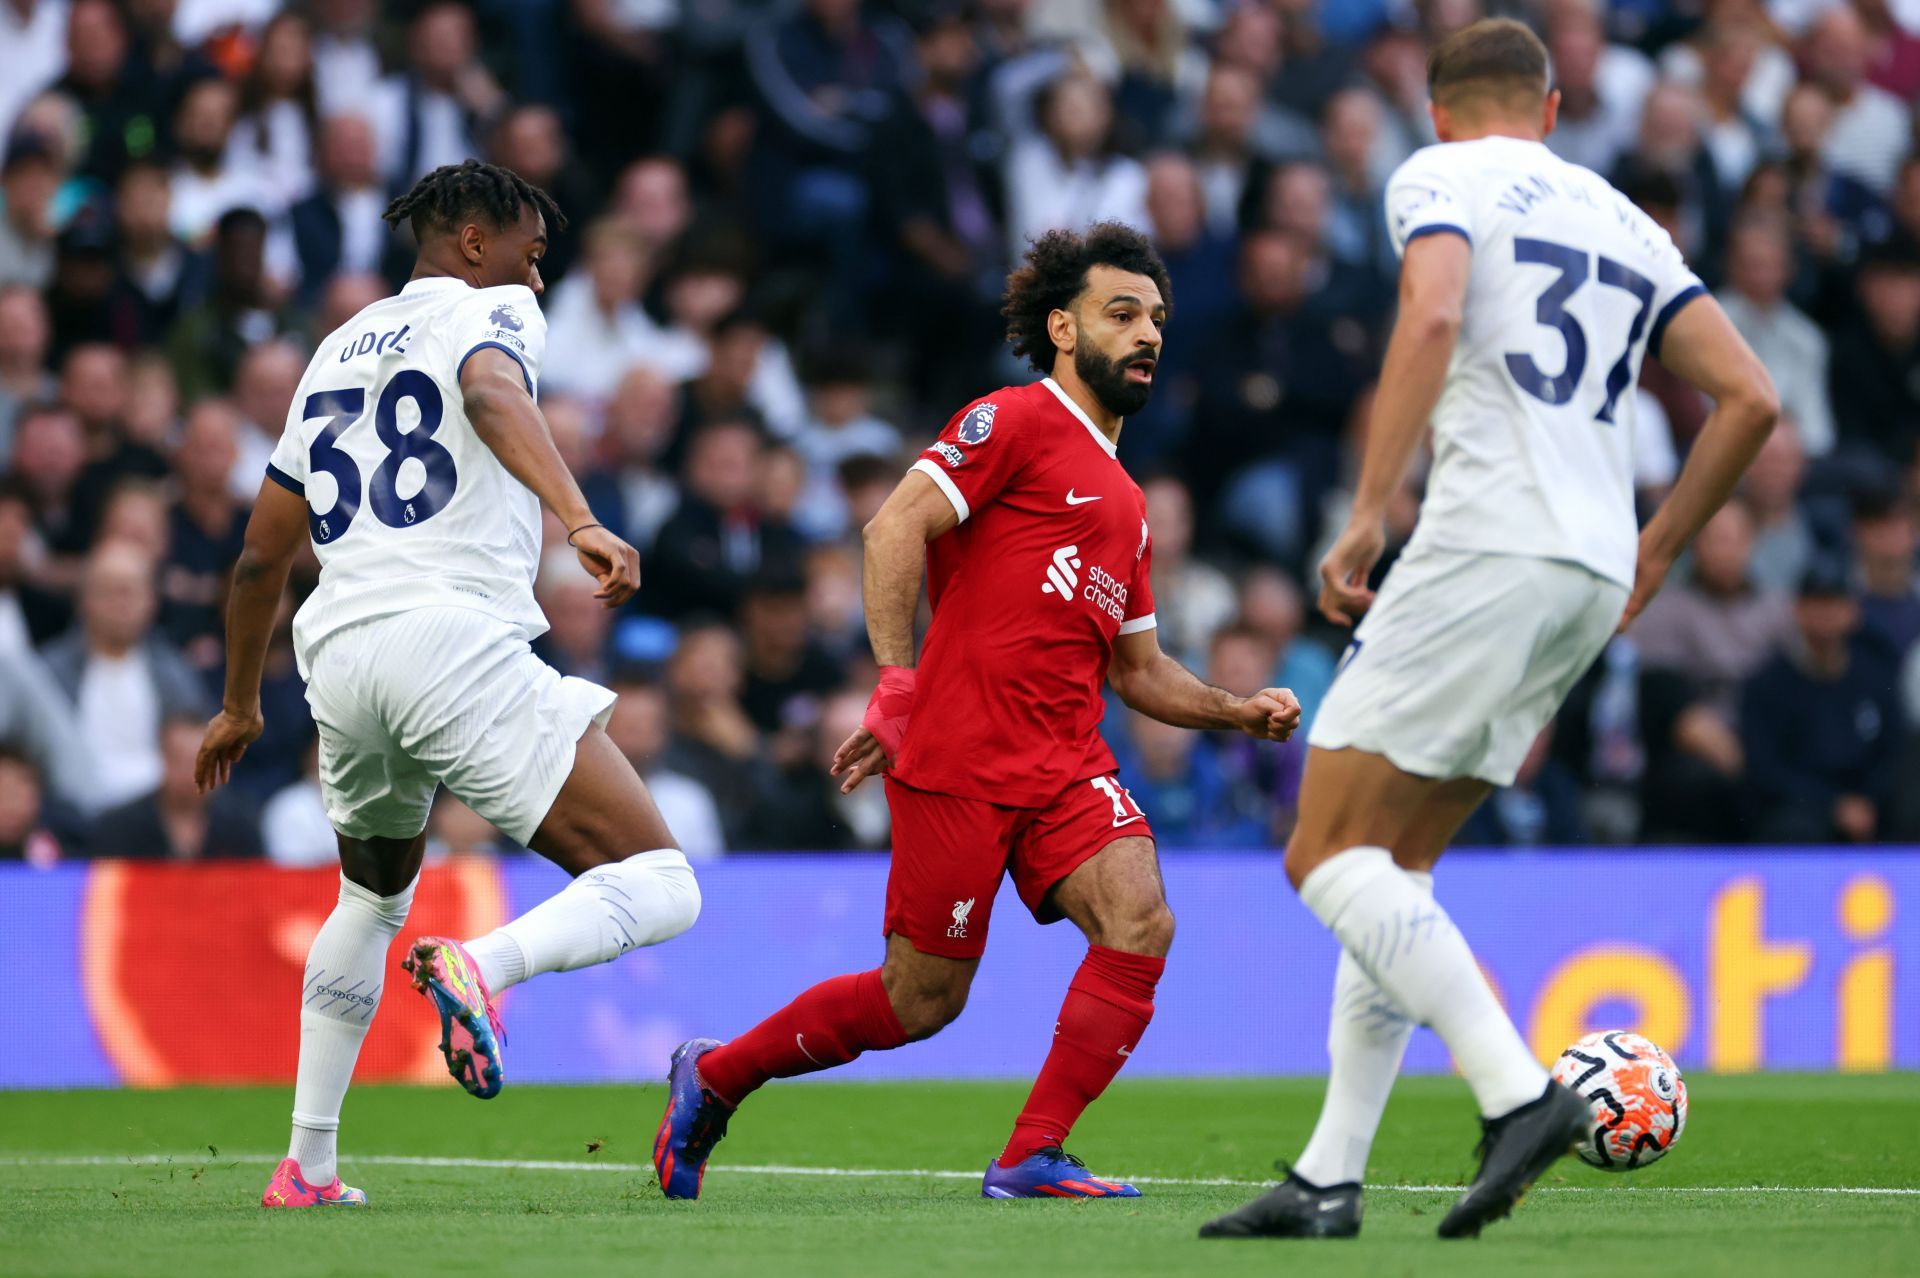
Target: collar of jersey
{"x": 1077, "y": 411}
{"x": 433, "y": 284}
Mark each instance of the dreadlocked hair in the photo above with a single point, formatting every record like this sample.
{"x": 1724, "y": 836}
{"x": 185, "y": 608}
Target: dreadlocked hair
{"x": 1056, "y": 272}
{"x": 455, "y": 193}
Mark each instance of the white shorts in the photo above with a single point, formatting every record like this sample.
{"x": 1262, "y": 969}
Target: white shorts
{"x": 1463, "y": 659}
{"x": 451, "y": 696}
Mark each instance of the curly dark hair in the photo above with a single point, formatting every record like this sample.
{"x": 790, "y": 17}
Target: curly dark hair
{"x": 452, "y": 193}
{"x": 1056, "y": 272}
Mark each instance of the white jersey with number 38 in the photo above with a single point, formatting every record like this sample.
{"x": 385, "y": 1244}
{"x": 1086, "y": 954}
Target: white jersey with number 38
{"x": 1571, "y": 286}
{"x": 406, "y": 505}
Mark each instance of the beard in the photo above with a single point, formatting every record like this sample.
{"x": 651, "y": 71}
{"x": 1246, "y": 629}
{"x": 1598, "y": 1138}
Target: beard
{"x": 1107, "y": 379}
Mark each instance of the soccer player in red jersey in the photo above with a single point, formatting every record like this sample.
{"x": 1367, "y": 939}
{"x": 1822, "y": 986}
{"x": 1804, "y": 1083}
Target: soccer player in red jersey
{"x": 1037, "y": 551}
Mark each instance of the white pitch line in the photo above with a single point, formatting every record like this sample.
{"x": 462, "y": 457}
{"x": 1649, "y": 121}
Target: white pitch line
{"x": 779, "y": 1169}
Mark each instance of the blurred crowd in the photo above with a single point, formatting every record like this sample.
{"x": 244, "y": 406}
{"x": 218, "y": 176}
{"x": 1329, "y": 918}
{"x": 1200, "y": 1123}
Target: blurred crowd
{"x": 790, "y": 221}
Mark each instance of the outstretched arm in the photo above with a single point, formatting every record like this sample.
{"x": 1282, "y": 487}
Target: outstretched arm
{"x": 504, "y": 416}
{"x": 1704, "y": 348}
{"x": 1433, "y": 290}
{"x": 274, "y": 532}
{"x": 896, "y": 553}
{"x": 1156, "y": 685}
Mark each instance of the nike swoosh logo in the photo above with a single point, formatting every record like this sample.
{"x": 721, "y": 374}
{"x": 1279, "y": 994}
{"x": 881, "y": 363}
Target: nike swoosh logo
{"x": 1078, "y": 501}
{"x": 1333, "y": 1204}
{"x": 799, "y": 1042}
{"x": 1127, "y": 821}
{"x": 1126, "y": 1051}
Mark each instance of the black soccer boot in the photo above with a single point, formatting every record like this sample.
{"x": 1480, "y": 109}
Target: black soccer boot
{"x": 1295, "y": 1208}
{"x": 1515, "y": 1149}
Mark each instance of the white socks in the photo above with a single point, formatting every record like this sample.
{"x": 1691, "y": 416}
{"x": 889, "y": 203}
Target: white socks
{"x": 646, "y": 899}
{"x": 346, "y": 969}
{"x": 1366, "y": 1037}
{"x": 1401, "y": 939}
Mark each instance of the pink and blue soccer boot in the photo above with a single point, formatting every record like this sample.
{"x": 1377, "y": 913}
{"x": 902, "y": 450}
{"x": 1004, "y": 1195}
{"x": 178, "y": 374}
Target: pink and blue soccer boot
{"x": 695, "y": 1121}
{"x": 289, "y": 1188}
{"x": 1049, "y": 1173}
{"x": 470, "y": 1033}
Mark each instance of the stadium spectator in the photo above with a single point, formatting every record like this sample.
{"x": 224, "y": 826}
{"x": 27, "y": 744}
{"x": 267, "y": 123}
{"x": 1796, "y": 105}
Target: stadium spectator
{"x": 1601, "y": 88}
{"x": 118, "y": 101}
{"x": 24, "y": 835}
{"x": 787, "y": 672}
{"x": 122, "y": 677}
{"x": 718, "y": 539}
{"x": 1886, "y": 539}
{"x": 29, "y": 179}
{"x": 1714, "y": 626}
{"x": 1783, "y": 538}
{"x": 207, "y": 525}
{"x": 1356, "y": 227}
{"x": 1822, "y": 727}
{"x": 49, "y": 452}
{"x": 1070, "y": 175}
{"x": 636, "y": 433}
{"x": 825, "y": 78}
{"x": 153, "y": 268}
{"x": 714, "y": 741}
{"x": 30, "y": 612}
{"x": 294, "y": 830}
{"x": 435, "y": 109}
{"x": 840, "y": 424}
{"x": 274, "y": 136}
{"x": 346, "y": 62}
{"x": 175, "y": 821}
{"x": 263, "y": 389}
{"x": 1275, "y": 394}
{"x": 1191, "y": 598}
{"x": 239, "y": 310}
{"x": 209, "y": 180}
{"x": 1871, "y": 129}
{"x": 1759, "y": 267}
{"x": 456, "y": 830}
{"x": 32, "y": 53}
{"x": 1262, "y": 787}
{"x": 1875, "y": 370}
{"x": 597, "y": 328}
{"x": 1735, "y": 135}
{"x": 651, "y": 199}
{"x": 802, "y": 808}
{"x": 640, "y": 728}
{"x": 531, "y": 140}
{"x": 38, "y": 725}
{"x": 26, "y": 333}
{"x": 336, "y": 229}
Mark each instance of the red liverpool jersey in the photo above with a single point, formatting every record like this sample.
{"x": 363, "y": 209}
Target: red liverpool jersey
{"x": 1048, "y": 565}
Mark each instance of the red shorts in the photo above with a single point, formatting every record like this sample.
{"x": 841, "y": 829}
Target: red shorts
{"x": 949, "y": 854}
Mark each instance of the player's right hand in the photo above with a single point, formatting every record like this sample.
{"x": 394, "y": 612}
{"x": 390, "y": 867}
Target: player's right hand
{"x": 859, "y": 757}
{"x": 613, "y": 563}
{"x": 228, "y": 736}
{"x": 1344, "y": 596}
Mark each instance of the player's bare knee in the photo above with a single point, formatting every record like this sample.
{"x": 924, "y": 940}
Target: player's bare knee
{"x": 1146, "y": 929}
{"x": 1304, "y": 855}
{"x": 928, "y": 1009}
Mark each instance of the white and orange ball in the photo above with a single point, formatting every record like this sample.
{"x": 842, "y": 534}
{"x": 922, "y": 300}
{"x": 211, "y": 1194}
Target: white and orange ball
{"x": 1638, "y": 1098}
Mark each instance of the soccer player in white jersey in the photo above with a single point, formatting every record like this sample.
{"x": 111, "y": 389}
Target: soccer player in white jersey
{"x": 1530, "y": 290}
{"x": 416, "y": 461}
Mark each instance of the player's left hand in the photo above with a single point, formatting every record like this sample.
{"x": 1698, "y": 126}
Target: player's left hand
{"x": 228, "y": 736}
{"x": 1271, "y": 714}
{"x": 613, "y": 563}
{"x": 859, "y": 757}
{"x": 1649, "y": 574}
{"x": 1344, "y": 596}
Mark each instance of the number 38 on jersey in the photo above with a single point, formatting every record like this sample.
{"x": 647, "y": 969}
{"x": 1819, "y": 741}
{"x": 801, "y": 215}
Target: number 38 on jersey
{"x": 414, "y": 480}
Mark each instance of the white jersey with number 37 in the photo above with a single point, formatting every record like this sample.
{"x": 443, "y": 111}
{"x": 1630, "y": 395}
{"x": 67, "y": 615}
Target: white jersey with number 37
{"x": 1571, "y": 286}
{"x": 406, "y": 505}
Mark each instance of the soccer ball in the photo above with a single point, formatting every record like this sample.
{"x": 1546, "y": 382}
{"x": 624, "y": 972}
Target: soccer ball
{"x": 1639, "y": 1099}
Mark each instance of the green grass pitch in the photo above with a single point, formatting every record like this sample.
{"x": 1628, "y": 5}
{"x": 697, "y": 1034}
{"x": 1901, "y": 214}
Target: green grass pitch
{"x": 162, "y": 1183}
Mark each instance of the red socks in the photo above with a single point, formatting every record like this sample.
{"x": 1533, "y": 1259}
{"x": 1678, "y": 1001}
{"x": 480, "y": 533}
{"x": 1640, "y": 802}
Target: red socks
{"x": 826, "y": 1026}
{"x": 1107, "y": 1009}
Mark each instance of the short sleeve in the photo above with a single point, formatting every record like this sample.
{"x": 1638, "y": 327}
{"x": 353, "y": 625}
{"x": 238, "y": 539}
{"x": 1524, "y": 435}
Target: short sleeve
{"x": 1674, "y": 283}
{"x": 1424, "y": 198}
{"x": 287, "y": 466}
{"x": 976, "y": 457}
{"x": 505, "y": 319}
{"x": 1140, "y": 596}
